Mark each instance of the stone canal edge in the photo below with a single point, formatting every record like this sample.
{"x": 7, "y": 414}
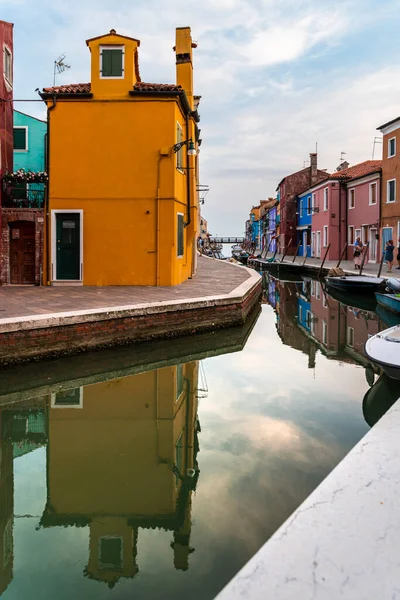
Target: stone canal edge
{"x": 48, "y": 335}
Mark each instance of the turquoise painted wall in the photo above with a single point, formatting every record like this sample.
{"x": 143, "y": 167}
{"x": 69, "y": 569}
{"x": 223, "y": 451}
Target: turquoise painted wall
{"x": 32, "y": 159}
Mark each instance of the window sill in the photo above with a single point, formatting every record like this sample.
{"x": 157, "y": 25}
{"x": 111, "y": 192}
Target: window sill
{"x": 181, "y": 171}
{"x": 180, "y": 256}
{"x": 21, "y": 151}
{"x": 351, "y": 207}
{"x": 390, "y": 201}
{"x": 392, "y": 156}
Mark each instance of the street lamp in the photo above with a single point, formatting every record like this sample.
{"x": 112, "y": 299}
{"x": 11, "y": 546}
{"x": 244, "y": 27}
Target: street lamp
{"x": 189, "y": 143}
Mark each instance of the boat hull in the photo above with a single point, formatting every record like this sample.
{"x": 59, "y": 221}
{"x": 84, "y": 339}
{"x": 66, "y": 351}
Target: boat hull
{"x": 389, "y": 301}
{"x": 363, "y": 302}
{"x": 383, "y": 349}
{"x": 355, "y": 284}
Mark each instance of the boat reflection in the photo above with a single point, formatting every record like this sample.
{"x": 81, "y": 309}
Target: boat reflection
{"x": 379, "y": 398}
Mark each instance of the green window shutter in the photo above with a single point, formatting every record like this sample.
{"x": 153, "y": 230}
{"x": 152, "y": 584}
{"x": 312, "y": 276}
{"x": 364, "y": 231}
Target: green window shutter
{"x": 111, "y": 62}
{"x": 180, "y": 235}
{"x": 19, "y": 138}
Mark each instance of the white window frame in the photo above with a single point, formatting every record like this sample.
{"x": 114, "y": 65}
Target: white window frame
{"x": 325, "y": 236}
{"x": 115, "y": 47}
{"x": 387, "y": 191}
{"x": 180, "y": 255}
{"x": 6, "y": 50}
{"x": 350, "y": 337}
{"x": 317, "y": 290}
{"x": 300, "y": 313}
{"x": 326, "y": 199}
{"x": 78, "y": 211}
{"x": 349, "y": 241}
{"x": 53, "y": 403}
{"x": 313, "y": 202}
{"x": 357, "y": 233}
{"x": 352, "y": 194}
{"x": 392, "y": 139}
{"x": 309, "y": 205}
{"x": 179, "y": 153}
{"x": 324, "y": 332}
{"x": 371, "y": 185}
{"x": 324, "y": 302}
{"x": 26, "y": 137}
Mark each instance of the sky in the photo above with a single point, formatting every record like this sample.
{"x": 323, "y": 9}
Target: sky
{"x": 276, "y": 78}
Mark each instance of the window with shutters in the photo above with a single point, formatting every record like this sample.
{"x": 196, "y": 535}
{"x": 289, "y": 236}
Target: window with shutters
{"x": 180, "y": 235}
{"x": 179, "y": 154}
{"x": 112, "y": 62}
{"x": 21, "y": 139}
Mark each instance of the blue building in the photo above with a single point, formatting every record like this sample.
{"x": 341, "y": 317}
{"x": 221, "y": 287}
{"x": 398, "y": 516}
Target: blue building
{"x": 29, "y": 142}
{"x": 304, "y": 219}
{"x": 271, "y": 231}
{"x": 304, "y": 317}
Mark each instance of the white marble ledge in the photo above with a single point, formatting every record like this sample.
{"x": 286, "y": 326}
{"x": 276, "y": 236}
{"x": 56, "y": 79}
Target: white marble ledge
{"x": 344, "y": 540}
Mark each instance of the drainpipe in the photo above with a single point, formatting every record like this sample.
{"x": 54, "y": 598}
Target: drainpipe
{"x": 46, "y": 207}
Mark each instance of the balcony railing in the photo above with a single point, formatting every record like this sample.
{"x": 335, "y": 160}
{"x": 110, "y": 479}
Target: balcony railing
{"x": 28, "y": 196}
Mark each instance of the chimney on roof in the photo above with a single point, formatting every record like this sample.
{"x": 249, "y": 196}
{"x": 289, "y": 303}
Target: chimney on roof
{"x": 344, "y": 165}
{"x": 313, "y": 167}
{"x": 184, "y": 61}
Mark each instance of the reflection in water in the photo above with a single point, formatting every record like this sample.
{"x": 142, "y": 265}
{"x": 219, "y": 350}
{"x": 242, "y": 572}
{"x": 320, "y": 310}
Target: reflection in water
{"x": 379, "y": 398}
{"x": 104, "y": 452}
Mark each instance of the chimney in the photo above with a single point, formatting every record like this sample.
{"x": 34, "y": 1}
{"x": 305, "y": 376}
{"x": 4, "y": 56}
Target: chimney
{"x": 344, "y": 165}
{"x": 184, "y": 61}
{"x": 313, "y": 167}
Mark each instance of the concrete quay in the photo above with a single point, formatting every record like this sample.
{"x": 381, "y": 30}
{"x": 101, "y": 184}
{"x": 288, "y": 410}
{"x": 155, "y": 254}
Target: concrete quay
{"x": 40, "y": 322}
{"x": 342, "y": 542}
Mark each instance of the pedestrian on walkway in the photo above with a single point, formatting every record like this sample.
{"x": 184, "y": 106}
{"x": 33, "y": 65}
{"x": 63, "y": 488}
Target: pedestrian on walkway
{"x": 358, "y": 248}
{"x": 398, "y": 253}
{"x": 389, "y": 255}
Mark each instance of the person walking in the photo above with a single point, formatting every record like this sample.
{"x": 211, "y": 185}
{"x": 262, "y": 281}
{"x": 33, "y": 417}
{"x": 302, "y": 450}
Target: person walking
{"x": 358, "y": 248}
{"x": 389, "y": 255}
{"x": 398, "y": 253}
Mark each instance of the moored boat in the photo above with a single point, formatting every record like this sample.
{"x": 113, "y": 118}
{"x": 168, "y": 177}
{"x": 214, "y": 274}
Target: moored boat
{"x": 379, "y": 398}
{"x": 384, "y": 350}
{"x": 389, "y": 301}
{"x": 356, "y": 283}
{"x": 388, "y": 318}
{"x": 363, "y": 302}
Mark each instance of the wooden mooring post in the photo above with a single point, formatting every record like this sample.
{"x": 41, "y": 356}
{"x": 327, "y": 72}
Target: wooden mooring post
{"x": 342, "y": 255}
{"x": 365, "y": 252}
{"x": 297, "y": 249}
{"x": 381, "y": 264}
{"x": 286, "y": 249}
{"x": 323, "y": 261}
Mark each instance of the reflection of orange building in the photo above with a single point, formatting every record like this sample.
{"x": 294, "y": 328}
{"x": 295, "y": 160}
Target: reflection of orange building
{"x": 122, "y": 455}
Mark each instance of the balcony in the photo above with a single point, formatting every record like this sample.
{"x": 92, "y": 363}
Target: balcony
{"x": 30, "y": 195}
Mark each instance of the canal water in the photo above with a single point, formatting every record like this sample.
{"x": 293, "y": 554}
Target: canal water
{"x": 156, "y": 471}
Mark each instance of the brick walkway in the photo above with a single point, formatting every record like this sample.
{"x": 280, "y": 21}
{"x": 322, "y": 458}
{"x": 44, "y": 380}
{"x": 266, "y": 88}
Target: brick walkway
{"x": 214, "y": 277}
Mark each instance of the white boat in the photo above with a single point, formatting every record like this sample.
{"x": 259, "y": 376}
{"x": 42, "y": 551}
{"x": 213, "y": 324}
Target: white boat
{"x": 384, "y": 350}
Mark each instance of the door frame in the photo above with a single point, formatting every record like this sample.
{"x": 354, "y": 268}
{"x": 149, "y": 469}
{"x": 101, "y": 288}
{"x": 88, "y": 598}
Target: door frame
{"x": 373, "y": 243}
{"x": 318, "y": 244}
{"x": 313, "y": 244}
{"x": 305, "y": 236}
{"x": 54, "y": 212}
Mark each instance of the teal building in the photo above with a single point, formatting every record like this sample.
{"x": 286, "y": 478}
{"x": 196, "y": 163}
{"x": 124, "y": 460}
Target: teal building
{"x": 29, "y": 142}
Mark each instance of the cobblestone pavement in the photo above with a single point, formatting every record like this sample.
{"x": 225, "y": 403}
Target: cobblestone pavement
{"x": 213, "y": 277}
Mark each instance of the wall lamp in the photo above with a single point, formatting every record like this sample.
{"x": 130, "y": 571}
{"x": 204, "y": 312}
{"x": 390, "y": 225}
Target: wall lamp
{"x": 189, "y": 143}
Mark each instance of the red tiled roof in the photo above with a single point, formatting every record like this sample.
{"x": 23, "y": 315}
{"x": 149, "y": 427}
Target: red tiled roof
{"x": 85, "y": 88}
{"x": 72, "y": 88}
{"x": 361, "y": 170}
{"x": 141, "y": 86}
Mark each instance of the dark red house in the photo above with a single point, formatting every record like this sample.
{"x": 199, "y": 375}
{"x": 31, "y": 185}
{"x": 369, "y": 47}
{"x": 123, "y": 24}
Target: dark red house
{"x": 288, "y": 190}
{"x": 6, "y": 96}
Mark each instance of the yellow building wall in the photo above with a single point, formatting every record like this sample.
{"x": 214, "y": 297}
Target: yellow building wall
{"x": 114, "y": 456}
{"x": 105, "y": 160}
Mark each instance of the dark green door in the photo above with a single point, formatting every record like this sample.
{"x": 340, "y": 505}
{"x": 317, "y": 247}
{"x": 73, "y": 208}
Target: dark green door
{"x": 68, "y": 245}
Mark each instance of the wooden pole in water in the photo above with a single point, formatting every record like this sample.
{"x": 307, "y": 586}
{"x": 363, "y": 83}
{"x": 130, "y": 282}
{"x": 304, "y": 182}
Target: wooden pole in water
{"x": 381, "y": 264}
{"x": 297, "y": 249}
{"x": 286, "y": 249}
{"x": 342, "y": 255}
{"x": 324, "y": 259}
{"x": 364, "y": 257}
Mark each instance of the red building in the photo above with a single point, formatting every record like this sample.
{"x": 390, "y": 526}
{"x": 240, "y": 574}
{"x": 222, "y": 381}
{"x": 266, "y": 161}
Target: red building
{"x": 288, "y": 190}
{"x": 6, "y": 95}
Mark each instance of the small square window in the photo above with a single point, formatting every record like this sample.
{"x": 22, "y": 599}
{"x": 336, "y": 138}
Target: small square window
{"x": 21, "y": 139}
{"x": 391, "y": 147}
{"x": 112, "y": 62}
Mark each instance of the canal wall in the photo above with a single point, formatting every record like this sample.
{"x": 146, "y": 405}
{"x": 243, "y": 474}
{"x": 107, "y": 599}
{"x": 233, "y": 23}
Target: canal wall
{"x": 36, "y": 336}
{"x": 342, "y": 541}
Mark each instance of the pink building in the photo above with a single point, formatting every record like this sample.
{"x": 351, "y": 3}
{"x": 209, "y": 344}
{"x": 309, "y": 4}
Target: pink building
{"x": 6, "y": 95}
{"x": 362, "y": 183}
{"x": 346, "y": 205}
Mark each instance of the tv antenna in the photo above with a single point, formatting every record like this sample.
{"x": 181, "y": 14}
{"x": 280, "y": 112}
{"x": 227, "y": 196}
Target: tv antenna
{"x": 342, "y": 156}
{"x": 60, "y": 66}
